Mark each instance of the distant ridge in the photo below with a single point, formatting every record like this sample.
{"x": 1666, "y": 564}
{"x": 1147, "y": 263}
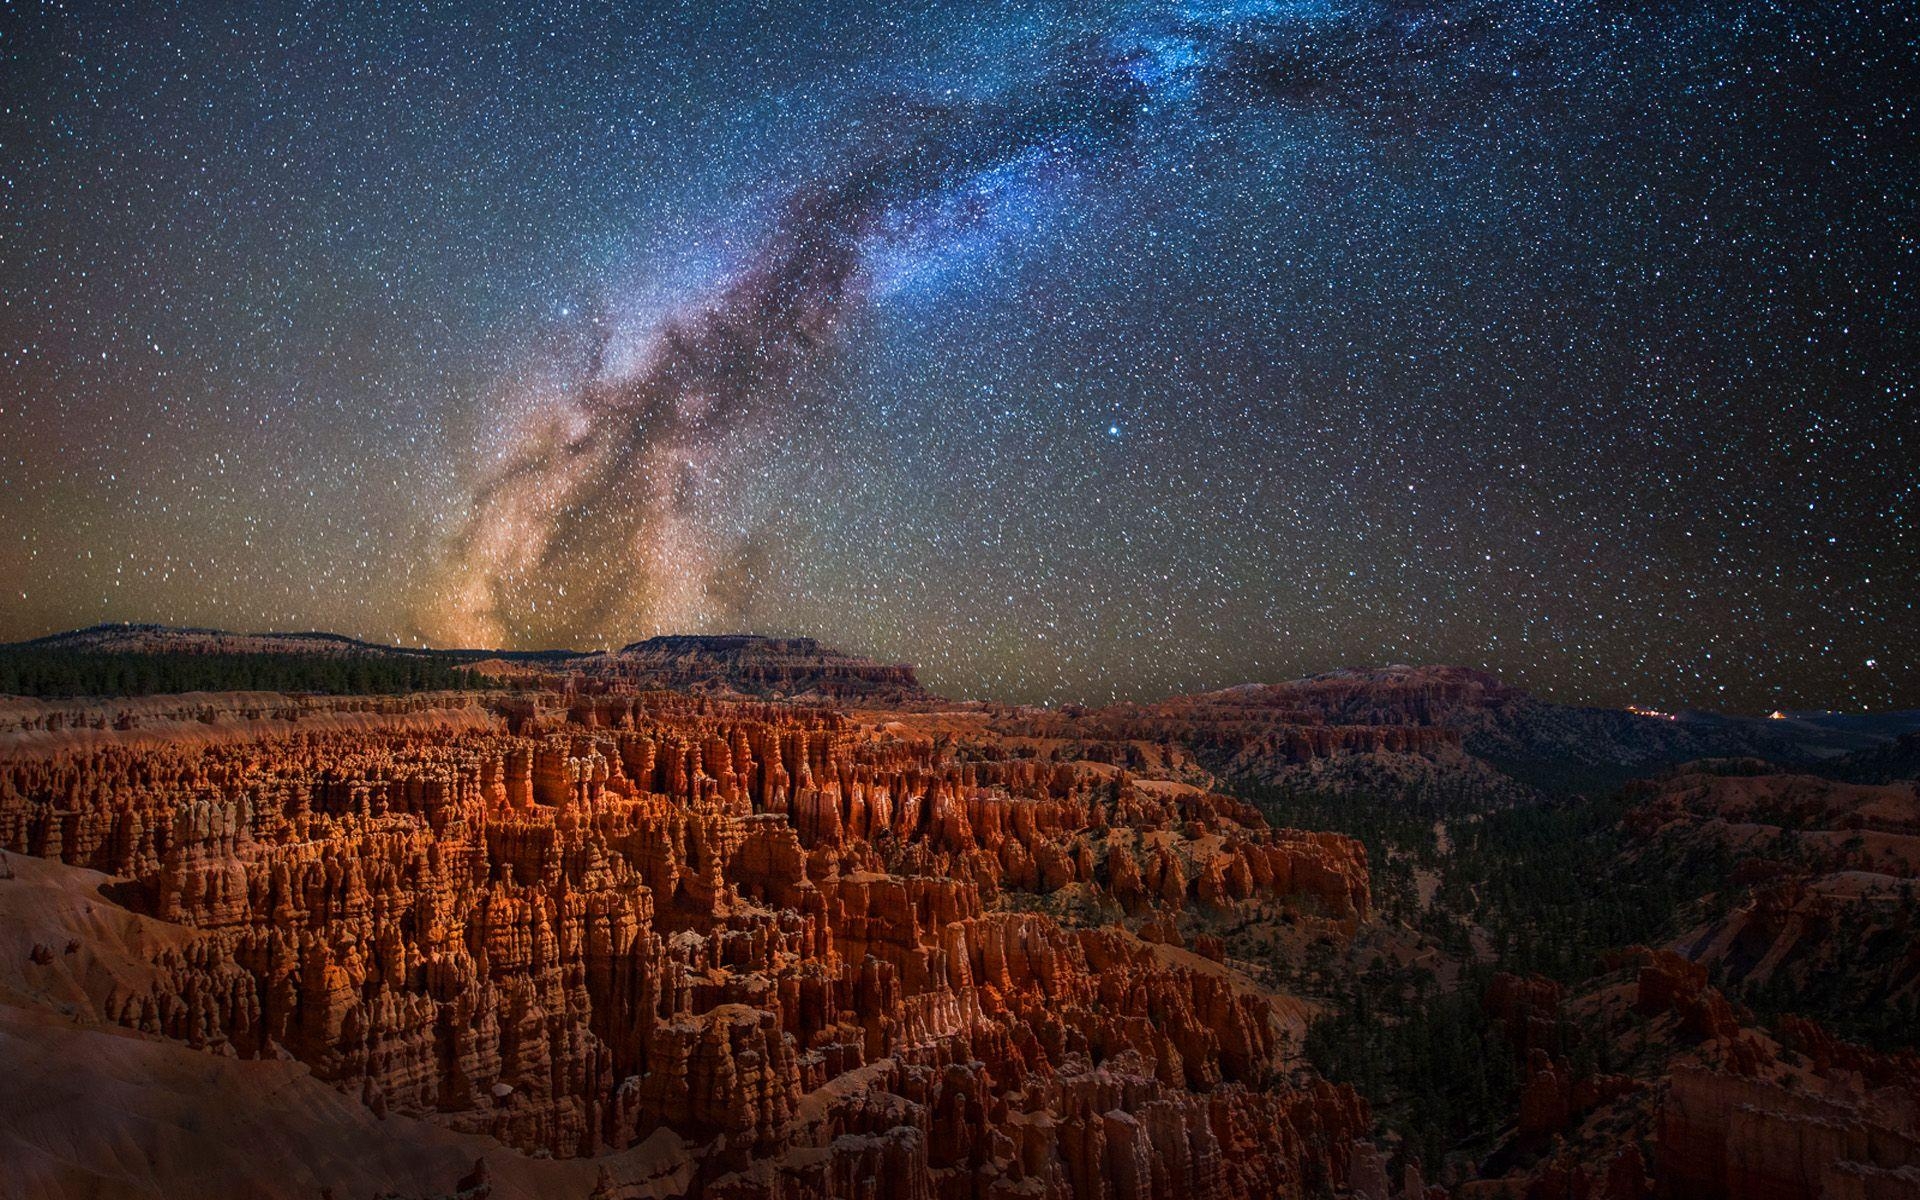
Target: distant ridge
{"x": 750, "y": 664}
{"x": 1255, "y": 729}
{"x": 734, "y": 664}
{"x": 1432, "y": 731}
{"x": 152, "y": 638}
{"x": 116, "y": 638}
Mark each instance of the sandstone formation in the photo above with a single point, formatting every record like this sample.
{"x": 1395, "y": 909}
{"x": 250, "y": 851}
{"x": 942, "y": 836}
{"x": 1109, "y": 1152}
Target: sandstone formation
{"x": 1714, "y": 1107}
{"x": 1717, "y": 1102}
{"x": 1435, "y": 735}
{"x": 1803, "y": 1115}
{"x": 749, "y": 918}
{"x": 787, "y": 668}
{"x": 817, "y": 952}
{"x": 1832, "y": 871}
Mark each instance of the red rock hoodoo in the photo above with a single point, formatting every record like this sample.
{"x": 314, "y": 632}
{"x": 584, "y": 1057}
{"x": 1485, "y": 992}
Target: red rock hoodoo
{"x": 819, "y": 951}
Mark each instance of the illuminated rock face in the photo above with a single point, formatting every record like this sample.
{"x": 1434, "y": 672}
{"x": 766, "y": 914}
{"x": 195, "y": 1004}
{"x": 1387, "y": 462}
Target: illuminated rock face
{"x": 819, "y": 949}
{"x": 754, "y": 666}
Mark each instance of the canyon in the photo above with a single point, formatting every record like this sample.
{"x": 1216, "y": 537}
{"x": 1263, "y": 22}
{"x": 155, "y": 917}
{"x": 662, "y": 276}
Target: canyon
{"x": 741, "y": 918}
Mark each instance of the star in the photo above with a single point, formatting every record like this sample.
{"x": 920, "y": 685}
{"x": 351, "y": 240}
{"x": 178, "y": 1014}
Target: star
{"x": 1528, "y": 343}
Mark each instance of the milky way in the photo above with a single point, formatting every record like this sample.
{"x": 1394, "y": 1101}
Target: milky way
{"x": 591, "y": 531}
{"x": 1072, "y": 351}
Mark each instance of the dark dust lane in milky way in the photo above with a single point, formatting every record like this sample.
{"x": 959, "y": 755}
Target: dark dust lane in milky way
{"x": 1073, "y": 351}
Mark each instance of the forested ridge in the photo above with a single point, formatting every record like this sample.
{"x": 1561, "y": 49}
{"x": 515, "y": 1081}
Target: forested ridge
{"x": 1545, "y": 888}
{"x": 42, "y": 672}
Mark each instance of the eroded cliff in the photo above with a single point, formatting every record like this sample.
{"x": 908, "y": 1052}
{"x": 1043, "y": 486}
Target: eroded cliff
{"x": 817, "y": 951}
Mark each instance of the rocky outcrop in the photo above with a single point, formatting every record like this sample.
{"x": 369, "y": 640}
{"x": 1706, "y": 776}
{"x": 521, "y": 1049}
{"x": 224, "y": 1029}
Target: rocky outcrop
{"x": 1668, "y": 983}
{"x": 1254, "y": 731}
{"x": 819, "y": 953}
{"x": 748, "y": 665}
{"x": 1528, "y": 1009}
{"x": 1728, "y": 1135}
{"x": 1827, "y": 873}
{"x": 1445, "y": 738}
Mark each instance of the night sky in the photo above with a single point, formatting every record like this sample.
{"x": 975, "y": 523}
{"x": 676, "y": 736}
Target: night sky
{"x": 1073, "y": 352}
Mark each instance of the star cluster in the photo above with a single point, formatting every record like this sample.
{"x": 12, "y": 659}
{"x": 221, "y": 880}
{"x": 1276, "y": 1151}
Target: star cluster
{"x": 1072, "y": 351}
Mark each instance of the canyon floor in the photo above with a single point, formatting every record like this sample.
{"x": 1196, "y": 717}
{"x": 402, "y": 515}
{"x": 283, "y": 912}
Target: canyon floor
{"x": 745, "y": 918}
